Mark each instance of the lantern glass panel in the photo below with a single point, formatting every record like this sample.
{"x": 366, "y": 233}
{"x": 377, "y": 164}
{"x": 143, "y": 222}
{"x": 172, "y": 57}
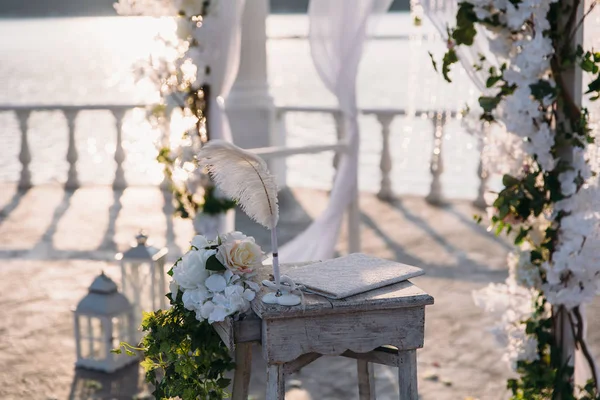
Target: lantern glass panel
{"x": 121, "y": 330}
{"x": 91, "y": 330}
{"x": 137, "y": 283}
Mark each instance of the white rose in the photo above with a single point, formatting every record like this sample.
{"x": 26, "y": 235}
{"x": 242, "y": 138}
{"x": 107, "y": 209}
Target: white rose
{"x": 233, "y": 236}
{"x": 241, "y": 256}
{"x": 173, "y": 288}
{"x": 200, "y": 242}
{"x": 190, "y": 272}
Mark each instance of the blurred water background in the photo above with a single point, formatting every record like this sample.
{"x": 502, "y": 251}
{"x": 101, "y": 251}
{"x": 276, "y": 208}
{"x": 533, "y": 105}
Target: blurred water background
{"x": 88, "y": 60}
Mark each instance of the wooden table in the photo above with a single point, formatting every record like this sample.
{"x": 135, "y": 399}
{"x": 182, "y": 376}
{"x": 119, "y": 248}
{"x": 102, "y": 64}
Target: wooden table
{"x": 383, "y": 326}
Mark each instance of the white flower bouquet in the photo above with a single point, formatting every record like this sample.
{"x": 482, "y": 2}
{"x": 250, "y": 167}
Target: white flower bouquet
{"x": 215, "y": 277}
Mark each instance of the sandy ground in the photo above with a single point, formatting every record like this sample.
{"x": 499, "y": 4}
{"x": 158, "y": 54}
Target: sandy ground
{"x": 53, "y": 243}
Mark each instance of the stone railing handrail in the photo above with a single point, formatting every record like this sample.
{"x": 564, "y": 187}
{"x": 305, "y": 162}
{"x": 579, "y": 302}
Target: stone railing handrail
{"x": 384, "y": 116}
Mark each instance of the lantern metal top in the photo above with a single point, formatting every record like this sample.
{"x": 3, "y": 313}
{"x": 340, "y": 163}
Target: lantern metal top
{"x": 141, "y": 251}
{"x": 103, "y": 299}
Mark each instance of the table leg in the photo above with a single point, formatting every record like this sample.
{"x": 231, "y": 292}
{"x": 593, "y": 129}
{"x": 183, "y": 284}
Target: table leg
{"x": 407, "y": 374}
{"x": 275, "y": 382}
{"x": 243, "y": 366}
{"x": 366, "y": 380}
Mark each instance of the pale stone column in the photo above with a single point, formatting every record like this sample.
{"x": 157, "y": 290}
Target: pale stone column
{"x": 249, "y": 105}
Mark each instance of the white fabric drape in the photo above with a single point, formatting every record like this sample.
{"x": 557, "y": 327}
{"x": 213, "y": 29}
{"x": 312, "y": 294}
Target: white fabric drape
{"x": 222, "y": 38}
{"x": 442, "y": 14}
{"x": 338, "y": 29}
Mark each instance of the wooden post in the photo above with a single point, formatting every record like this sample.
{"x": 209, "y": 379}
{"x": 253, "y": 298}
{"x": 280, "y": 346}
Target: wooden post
{"x": 25, "y": 153}
{"x": 385, "y": 165}
{"x": 275, "y": 382}
{"x": 243, "y": 366}
{"x": 573, "y": 84}
{"x": 407, "y": 374}
{"x": 366, "y": 380}
{"x": 72, "y": 156}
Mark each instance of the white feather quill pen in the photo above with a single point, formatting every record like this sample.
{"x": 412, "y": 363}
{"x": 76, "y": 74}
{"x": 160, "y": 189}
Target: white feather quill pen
{"x": 244, "y": 177}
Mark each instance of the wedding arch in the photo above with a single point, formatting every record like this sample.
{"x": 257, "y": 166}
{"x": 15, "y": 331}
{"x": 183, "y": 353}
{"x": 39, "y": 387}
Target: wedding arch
{"x": 527, "y": 59}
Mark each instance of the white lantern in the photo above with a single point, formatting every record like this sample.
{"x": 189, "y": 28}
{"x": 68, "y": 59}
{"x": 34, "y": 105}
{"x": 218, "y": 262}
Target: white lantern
{"x": 143, "y": 277}
{"x": 103, "y": 319}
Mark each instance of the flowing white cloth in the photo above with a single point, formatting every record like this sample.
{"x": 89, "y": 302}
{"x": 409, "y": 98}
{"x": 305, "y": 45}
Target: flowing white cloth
{"x": 221, "y": 35}
{"x": 442, "y": 14}
{"x": 338, "y": 29}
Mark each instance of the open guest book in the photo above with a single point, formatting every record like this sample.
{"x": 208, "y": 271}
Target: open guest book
{"x": 350, "y": 275}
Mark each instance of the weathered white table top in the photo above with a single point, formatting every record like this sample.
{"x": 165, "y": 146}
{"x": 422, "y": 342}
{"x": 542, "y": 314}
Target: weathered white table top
{"x": 400, "y": 295}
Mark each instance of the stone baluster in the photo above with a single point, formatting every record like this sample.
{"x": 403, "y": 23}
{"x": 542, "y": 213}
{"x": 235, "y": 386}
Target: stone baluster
{"x": 385, "y": 192}
{"x": 483, "y": 175}
{"x": 25, "y": 153}
{"x": 119, "y": 183}
{"x": 339, "y": 130}
{"x": 72, "y": 156}
{"x": 435, "y": 196}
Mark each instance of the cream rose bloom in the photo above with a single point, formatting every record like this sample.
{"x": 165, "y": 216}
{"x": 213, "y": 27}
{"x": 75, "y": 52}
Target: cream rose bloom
{"x": 239, "y": 253}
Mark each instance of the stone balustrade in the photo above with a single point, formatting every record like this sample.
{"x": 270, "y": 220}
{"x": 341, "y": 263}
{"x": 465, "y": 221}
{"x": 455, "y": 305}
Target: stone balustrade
{"x": 23, "y": 113}
{"x": 385, "y": 117}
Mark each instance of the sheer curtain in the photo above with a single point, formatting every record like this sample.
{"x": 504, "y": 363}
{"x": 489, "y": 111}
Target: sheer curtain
{"x": 221, "y": 34}
{"x": 442, "y": 14}
{"x": 338, "y": 30}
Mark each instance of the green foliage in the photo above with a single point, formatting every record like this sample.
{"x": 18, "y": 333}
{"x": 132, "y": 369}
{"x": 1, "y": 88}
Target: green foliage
{"x": 186, "y": 204}
{"x": 213, "y": 264}
{"x": 465, "y": 31}
{"x": 183, "y": 357}
{"x": 449, "y": 58}
{"x": 214, "y": 205}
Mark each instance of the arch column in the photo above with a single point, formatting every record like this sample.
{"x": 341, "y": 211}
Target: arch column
{"x": 249, "y": 105}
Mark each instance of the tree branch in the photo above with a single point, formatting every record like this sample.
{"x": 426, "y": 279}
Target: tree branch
{"x": 584, "y": 347}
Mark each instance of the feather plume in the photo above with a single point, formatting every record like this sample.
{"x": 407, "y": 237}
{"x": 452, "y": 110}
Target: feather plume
{"x": 243, "y": 177}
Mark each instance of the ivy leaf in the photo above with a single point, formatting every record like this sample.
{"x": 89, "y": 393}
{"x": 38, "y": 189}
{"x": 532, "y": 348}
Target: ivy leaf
{"x": 542, "y": 89}
{"x": 449, "y": 58}
{"x": 521, "y": 236}
{"x": 489, "y": 103}
{"x": 433, "y": 61}
{"x": 492, "y": 80}
{"x": 223, "y": 382}
{"x": 509, "y": 181}
{"x": 213, "y": 264}
{"x": 465, "y": 24}
{"x": 594, "y": 86}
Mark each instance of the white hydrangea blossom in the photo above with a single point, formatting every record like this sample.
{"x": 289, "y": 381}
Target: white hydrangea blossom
{"x": 572, "y": 277}
{"x": 214, "y": 295}
{"x": 573, "y": 274}
{"x": 521, "y": 271}
{"x": 510, "y": 304}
